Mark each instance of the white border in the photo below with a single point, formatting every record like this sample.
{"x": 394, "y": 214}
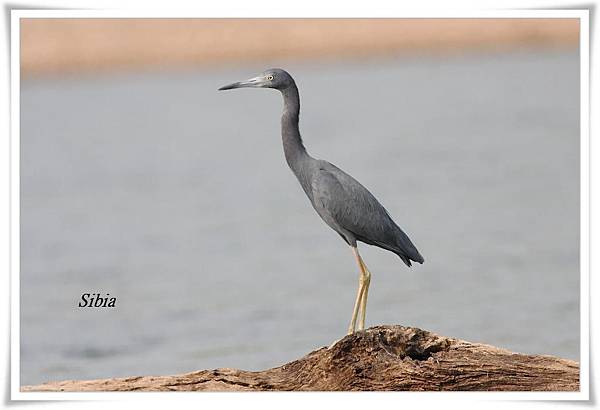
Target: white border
{"x": 584, "y": 258}
{"x": 582, "y": 15}
{"x": 309, "y": 13}
{"x": 15, "y": 208}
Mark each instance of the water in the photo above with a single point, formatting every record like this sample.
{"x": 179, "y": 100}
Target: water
{"x": 176, "y": 199}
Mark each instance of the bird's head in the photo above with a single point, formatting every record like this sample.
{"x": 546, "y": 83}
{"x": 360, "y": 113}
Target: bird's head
{"x": 273, "y": 78}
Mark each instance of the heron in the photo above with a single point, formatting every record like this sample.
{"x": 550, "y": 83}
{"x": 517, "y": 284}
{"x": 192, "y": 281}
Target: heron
{"x": 339, "y": 199}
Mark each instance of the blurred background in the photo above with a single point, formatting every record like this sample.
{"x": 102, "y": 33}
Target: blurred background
{"x": 133, "y": 166}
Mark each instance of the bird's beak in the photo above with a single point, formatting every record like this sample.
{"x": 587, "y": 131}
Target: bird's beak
{"x": 252, "y": 82}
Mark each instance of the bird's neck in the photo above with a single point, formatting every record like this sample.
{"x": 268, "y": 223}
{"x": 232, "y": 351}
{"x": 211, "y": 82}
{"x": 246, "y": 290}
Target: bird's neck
{"x": 293, "y": 148}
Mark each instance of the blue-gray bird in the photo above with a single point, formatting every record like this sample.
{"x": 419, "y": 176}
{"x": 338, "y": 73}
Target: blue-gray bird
{"x": 340, "y": 200}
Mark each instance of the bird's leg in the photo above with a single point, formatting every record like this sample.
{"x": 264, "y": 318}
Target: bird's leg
{"x": 359, "y": 294}
{"x": 363, "y": 304}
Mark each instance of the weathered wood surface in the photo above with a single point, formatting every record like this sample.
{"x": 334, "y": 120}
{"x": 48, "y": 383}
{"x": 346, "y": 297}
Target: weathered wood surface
{"x": 380, "y": 358}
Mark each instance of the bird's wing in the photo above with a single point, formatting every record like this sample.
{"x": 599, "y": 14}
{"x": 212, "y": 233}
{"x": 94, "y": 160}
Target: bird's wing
{"x": 343, "y": 202}
{"x": 351, "y": 205}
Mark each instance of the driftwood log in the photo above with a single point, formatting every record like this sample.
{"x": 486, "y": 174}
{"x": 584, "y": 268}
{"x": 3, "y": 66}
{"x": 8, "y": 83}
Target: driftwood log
{"x": 379, "y": 358}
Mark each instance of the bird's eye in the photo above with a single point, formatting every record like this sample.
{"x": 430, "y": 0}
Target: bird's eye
{"x": 270, "y": 77}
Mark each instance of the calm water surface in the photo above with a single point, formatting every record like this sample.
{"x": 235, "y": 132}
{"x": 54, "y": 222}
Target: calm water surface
{"x": 177, "y": 200}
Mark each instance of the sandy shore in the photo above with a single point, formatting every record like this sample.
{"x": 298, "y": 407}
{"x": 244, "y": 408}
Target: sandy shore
{"x": 51, "y": 46}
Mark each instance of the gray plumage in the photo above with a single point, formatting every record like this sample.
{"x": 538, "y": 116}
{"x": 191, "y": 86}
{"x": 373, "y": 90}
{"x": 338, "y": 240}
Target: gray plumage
{"x": 339, "y": 199}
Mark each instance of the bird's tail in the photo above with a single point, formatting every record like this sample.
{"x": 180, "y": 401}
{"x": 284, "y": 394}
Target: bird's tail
{"x": 407, "y": 251}
{"x": 407, "y": 260}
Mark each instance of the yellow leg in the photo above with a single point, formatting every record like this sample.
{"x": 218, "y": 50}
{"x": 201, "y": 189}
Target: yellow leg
{"x": 360, "y": 305}
{"x": 357, "y": 303}
{"x": 363, "y": 304}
